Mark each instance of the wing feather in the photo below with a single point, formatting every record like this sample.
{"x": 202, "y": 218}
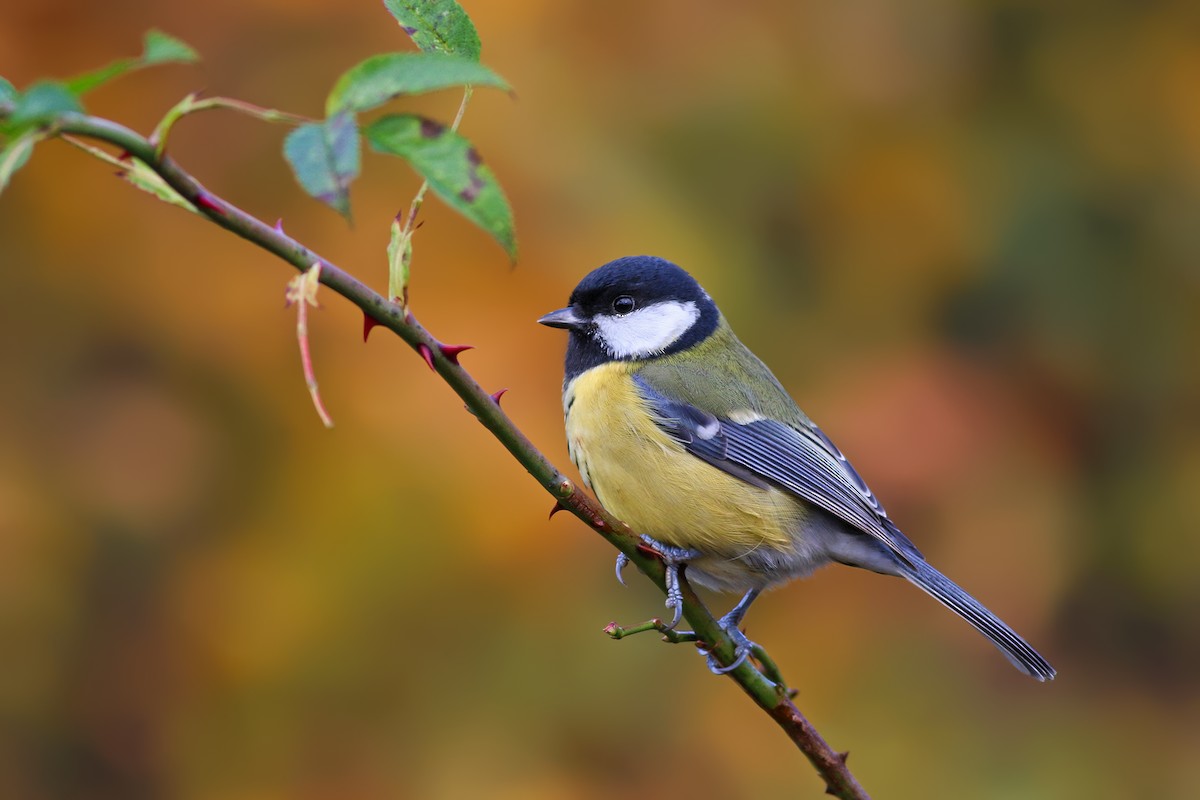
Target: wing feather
{"x": 801, "y": 460}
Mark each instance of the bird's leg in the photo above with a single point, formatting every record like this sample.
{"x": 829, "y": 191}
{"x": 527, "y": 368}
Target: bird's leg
{"x": 673, "y": 558}
{"x": 733, "y": 620}
{"x": 731, "y": 623}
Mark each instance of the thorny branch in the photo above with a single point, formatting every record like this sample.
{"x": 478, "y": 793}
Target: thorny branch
{"x": 763, "y": 684}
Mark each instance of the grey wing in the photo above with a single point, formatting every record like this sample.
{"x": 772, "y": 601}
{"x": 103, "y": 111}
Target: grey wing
{"x": 801, "y": 460}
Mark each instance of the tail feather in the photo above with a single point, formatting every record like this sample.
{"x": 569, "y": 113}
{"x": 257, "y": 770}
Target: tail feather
{"x": 946, "y": 592}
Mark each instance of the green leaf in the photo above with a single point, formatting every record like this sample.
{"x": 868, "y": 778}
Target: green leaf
{"x": 90, "y": 80}
{"x": 325, "y": 158}
{"x": 139, "y": 174}
{"x": 157, "y": 48}
{"x": 16, "y": 153}
{"x": 8, "y": 96}
{"x": 383, "y": 77}
{"x": 399, "y": 253}
{"x": 41, "y": 102}
{"x": 437, "y": 26}
{"x": 453, "y": 168}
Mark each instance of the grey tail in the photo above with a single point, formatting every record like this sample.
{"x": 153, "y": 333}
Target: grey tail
{"x": 946, "y": 592}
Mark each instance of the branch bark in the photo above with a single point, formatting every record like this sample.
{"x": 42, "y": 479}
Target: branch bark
{"x": 771, "y": 697}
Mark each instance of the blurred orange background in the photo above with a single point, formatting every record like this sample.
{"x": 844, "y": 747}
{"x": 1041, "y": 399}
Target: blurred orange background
{"x": 965, "y": 236}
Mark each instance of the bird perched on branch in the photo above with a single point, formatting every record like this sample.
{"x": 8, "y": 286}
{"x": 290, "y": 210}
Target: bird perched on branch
{"x": 685, "y": 435}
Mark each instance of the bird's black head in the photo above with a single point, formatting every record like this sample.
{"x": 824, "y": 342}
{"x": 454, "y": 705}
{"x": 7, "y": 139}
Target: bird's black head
{"x": 633, "y": 308}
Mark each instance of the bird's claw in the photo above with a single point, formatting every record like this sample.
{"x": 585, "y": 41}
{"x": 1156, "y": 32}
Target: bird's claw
{"x": 673, "y": 558}
{"x": 742, "y": 649}
{"x": 622, "y": 563}
{"x": 674, "y": 595}
{"x": 731, "y": 624}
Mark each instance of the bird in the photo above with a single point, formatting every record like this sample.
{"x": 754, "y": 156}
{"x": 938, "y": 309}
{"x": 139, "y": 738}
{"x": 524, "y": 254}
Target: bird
{"x": 684, "y": 434}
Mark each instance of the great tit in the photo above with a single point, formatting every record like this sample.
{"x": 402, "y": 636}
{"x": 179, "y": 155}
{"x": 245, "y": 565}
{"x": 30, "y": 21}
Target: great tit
{"x": 684, "y": 434}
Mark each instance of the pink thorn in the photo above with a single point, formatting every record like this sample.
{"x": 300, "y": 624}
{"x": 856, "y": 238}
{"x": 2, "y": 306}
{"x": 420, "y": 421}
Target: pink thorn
{"x": 369, "y": 322}
{"x": 279, "y": 225}
{"x": 557, "y": 508}
{"x": 451, "y": 351}
{"x": 645, "y": 548}
{"x": 426, "y": 354}
{"x": 204, "y": 201}
{"x": 497, "y": 395}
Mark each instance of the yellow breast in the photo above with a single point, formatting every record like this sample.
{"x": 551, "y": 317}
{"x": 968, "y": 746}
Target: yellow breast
{"x": 648, "y": 480}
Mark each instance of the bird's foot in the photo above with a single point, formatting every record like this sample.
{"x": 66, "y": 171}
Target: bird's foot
{"x": 743, "y": 647}
{"x": 673, "y": 558}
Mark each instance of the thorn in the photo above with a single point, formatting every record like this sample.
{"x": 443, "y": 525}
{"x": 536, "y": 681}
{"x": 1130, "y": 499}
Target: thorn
{"x": 451, "y": 351}
{"x": 557, "y": 508}
{"x": 124, "y": 155}
{"x": 426, "y": 354}
{"x": 829, "y": 790}
{"x": 206, "y": 202}
{"x": 648, "y": 550}
{"x": 844, "y": 756}
{"x": 279, "y": 225}
{"x": 369, "y": 322}
{"x": 498, "y": 394}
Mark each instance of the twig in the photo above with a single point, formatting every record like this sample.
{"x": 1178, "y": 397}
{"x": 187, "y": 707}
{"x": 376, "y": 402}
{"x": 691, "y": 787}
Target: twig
{"x": 669, "y": 634}
{"x": 400, "y": 246}
{"x": 192, "y": 104}
{"x": 302, "y": 290}
{"x": 419, "y": 198}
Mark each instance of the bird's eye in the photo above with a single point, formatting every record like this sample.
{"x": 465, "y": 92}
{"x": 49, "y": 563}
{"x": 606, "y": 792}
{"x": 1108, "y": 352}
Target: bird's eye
{"x": 624, "y": 304}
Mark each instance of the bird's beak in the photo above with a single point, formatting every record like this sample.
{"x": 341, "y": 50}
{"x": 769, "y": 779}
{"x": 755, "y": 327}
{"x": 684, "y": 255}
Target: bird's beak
{"x": 563, "y": 318}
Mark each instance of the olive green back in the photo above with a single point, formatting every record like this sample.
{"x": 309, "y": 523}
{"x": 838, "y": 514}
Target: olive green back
{"x": 720, "y": 375}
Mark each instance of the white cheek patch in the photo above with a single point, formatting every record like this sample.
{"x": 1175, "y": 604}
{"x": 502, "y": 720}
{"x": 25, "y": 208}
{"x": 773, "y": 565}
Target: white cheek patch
{"x": 647, "y": 331}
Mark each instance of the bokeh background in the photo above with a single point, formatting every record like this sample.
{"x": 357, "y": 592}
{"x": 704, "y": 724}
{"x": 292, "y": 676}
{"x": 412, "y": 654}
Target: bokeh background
{"x": 965, "y": 236}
